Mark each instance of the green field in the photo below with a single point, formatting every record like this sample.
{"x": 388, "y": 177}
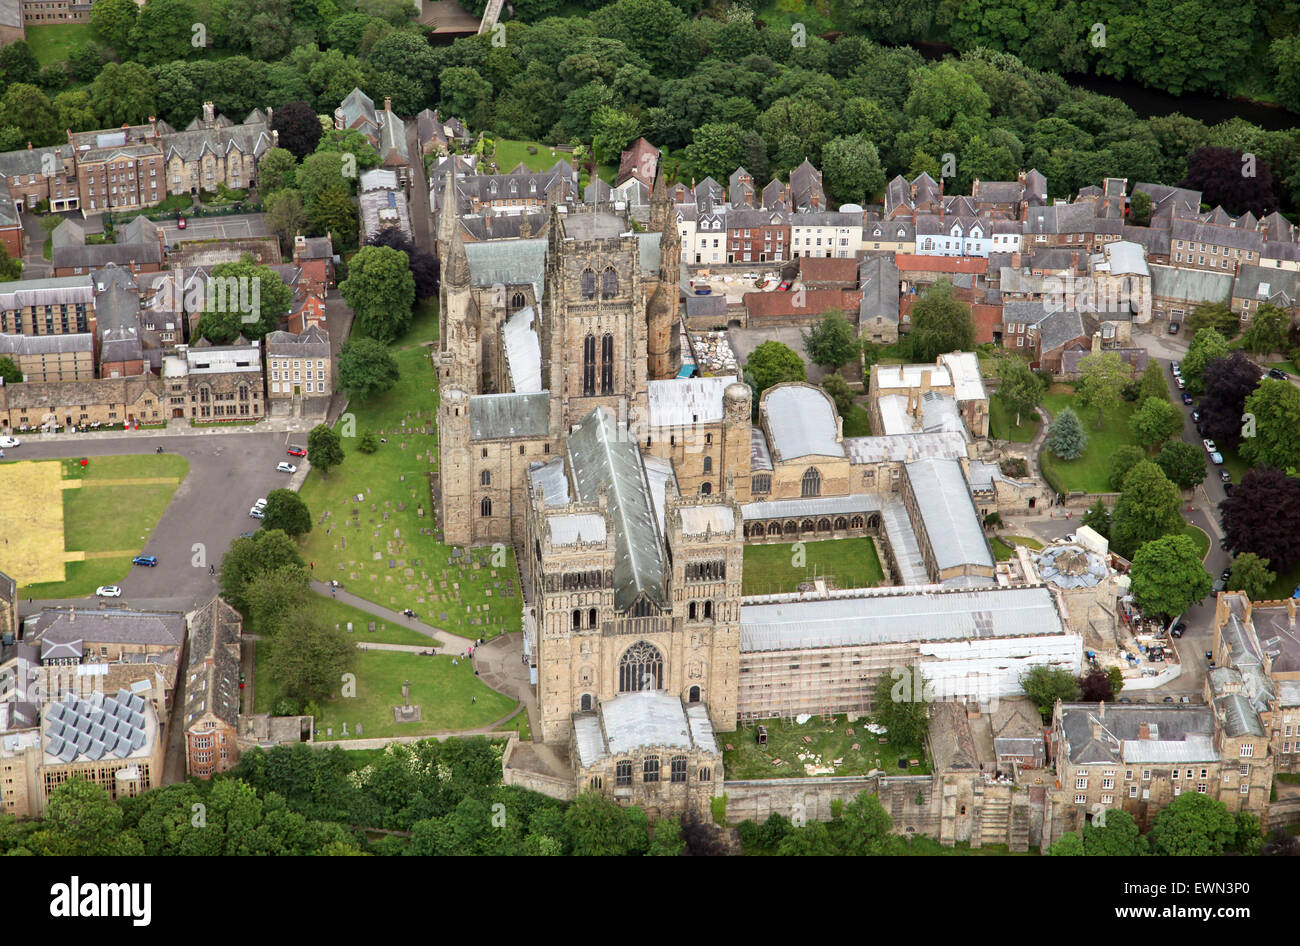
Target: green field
{"x": 1089, "y": 472}
{"x": 775, "y": 569}
{"x": 54, "y": 43}
{"x": 785, "y": 741}
{"x": 120, "y": 518}
{"x": 858, "y": 423}
{"x": 336, "y": 612}
{"x": 1002, "y": 423}
{"x": 357, "y": 549}
{"x": 510, "y": 154}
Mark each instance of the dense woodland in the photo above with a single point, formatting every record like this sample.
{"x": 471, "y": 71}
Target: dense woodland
{"x": 716, "y": 88}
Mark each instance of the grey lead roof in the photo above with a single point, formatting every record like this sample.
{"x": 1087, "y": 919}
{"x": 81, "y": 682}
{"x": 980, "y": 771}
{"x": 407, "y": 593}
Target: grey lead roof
{"x": 551, "y": 479}
{"x": 508, "y": 263}
{"x": 502, "y": 416}
{"x": 801, "y": 420}
{"x": 943, "y": 501}
{"x": 602, "y": 456}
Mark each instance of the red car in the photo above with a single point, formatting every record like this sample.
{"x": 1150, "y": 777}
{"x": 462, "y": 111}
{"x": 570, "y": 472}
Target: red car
{"x": 180, "y": 223}
{"x": 296, "y": 452}
{"x": 784, "y": 287}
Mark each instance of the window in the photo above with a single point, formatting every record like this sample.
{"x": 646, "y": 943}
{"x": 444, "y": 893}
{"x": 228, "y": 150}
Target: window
{"x": 608, "y": 283}
{"x": 1107, "y": 783}
{"x": 591, "y": 617}
{"x": 1247, "y": 750}
{"x": 485, "y": 507}
{"x": 677, "y": 767}
{"x": 1205, "y": 773}
{"x": 650, "y": 770}
{"x": 623, "y": 773}
{"x": 762, "y": 483}
{"x": 1245, "y": 788}
{"x": 640, "y": 668}
{"x": 588, "y": 284}
{"x": 1080, "y": 799}
{"x": 1202, "y": 788}
{"x": 595, "y": 783}
{"x": 589, "y": 365}
{"x": 586, "y": 703}
{"x": 1132, "y": 791}
{"x": 812, "y": 482}
{"x": 1146, "y": 775}
{"x": 577, "y": 619}
{"x": 706, "y": 775}
{"x": 485, "y": 478}
{"x": 607, "y": 364}
{"x": 1081, "y": 782}
{"x": 708, "y": 610}
{"x": 708, "y": 464}
{"x": 694, "y": 695}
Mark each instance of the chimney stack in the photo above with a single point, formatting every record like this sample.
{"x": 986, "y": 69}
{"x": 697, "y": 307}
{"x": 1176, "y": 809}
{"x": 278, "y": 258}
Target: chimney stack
{"x": 1144, "y": 731}
{"x": 1290, "y": 613}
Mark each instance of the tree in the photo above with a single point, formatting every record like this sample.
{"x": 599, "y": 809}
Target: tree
{"x": 309, "y": 658}
{"x": 1193, "y": 825}
{"x": 1046, "y": 685}
{"x": 1206, "y": 346}
{"x": 612, "y": 130}
{"x": 1123, "y": 459}
{"x": 27, "y": 108}
{"x": 1268, "y": 329}
{"x": 10, "y": 268}
{"x": 715, "y": 150}
{"x": 424, "y": 268}
{"x": 840, "y": 392}
{"x": 111, "y": 21}
{"x": 1146, "y": 509}
{"x": 1153, "y": 382}
{"x": 1183, "y": 463}
{"x": 1263, "y": 516}
{"x": 251, "y": 291}
{"x": 1238, "y": 182}
{"x": 321, "y": 173}
{"x": 1140, "y": 209}
{"x": 812, "y": 840}
{"x": 278, "y": 596}
{"x": 1228, "y": 382}
{"x": 1273, "y": 415}
{"x": 324, "y": 449}
{"x": 333, "y": 212}
{"x": 865, "y": 828}
{"x": 1097, "y": 518}
{"x": 75, "y": 110}
{"x": 941, "y": 323}
{"x": 900, "y": 704}
{"x": 286, "y": 511}
{"x": 1117, "y": 837}
{"x": 9, "y": 373}
{"x": 1215, "y": 315}
{"x": 350, "y": 141}
{"x": 1067, "y": 845}
{"x": 832, "y": 342}
{"x": 667, "y": 840}
{"x": 773, "y": 363}
{"x": 298, "y": 126}
{"x": 1155, "y": 422}
{"x": 1065, "y": 438}
{"x": 277, "y": 170}
{"x": 220, "y": 328}
{"x": 264, "y": 551}
{"x": 124, "y": 94}
{"x": 80, "y": 819}
{"x": 1019, "y": 389}
{"x": 285, "y": 215}
{"x": 1102, "y": 376}
{"x": 366, "y": 369}
{"x": 381, "y": 291}
{"x": 852, "y": 169}
{"x": 465, "y": 95}
{"x": 1250, "y": 574}
{"x": 162, "y": 31}
{"x": 1095, "y": 687}
{"x": 599, "y": 827}
{"x": 1168, "y": 576}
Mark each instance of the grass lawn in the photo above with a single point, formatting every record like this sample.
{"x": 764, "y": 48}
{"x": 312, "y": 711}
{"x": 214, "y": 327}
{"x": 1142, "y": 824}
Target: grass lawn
{"x": 54, "y": 43}
{"x": 1200, "y": 537}
{"x": 1089, "y": 472}
{"x": 1233, "y": 462}
{"x": 747, "y": 759}
{"x": 511, "y": 153}
{"x": 858, "y": 423}
{"x": 110, "y": 514}
{"x": 354, "y": 542}
{"x": 1002, "y": 424}
{"x": 340, "y": 614}
{"x": 519, "y": 725}
{"x": 849, "y": 563}
{"x": 1284, "y": 584}
{"x": 450, "y": 697}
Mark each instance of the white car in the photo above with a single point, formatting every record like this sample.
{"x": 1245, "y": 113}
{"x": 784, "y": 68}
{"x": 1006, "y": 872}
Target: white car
{"x": 286, "y": 468}
{"x": 108, "y": 591}
{"x": 257, "y": 512}
{"x": 749, "y": 276}
{"x": 1209, "y": 446}
{"x": 10, "y": 442}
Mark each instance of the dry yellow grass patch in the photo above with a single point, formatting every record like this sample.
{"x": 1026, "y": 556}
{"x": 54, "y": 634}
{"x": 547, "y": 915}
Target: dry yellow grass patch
{"x": 31, "y": 508}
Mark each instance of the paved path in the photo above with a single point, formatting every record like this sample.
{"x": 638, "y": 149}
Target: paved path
{"x": 1036, "y": 445}
{"x": 381, "y": 741}
{"x": 384, "y": 645}
{"x": 454, "y": 643}
{"x": 175, "y": 427}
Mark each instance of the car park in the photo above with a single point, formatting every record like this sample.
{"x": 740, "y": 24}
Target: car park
{"x": 7, "y": 442}
{"x": 108, "y": 591}
{"x": 285, "y": 468}
{"x": 1187, "y": 399}
{"x": 296, "y": 452}
{"x": 257, "y": 512}
{"x": 150, "y": 560}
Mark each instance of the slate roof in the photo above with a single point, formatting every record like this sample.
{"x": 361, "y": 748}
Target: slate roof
{"x": 878, "y": 280}
{"x": 94, "y": 256}
{"x": 944, "y": 505}
{"x": 1182, "y": 732}
{"x": 248, "y": 138}
{"x": 46, "y": 344}
{"x": 1217, "y": 234}
{"x": 1260, "y": 283}
{"x": 1189, "y": 285}
{"x": 109, "y": 625}
{"x": 506, "y": 416}
{"x": 212, "y": 675}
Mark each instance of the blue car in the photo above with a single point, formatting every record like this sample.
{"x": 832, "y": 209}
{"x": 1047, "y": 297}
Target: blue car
{"x": 1187, "y": 398}
{"x": 150, "y": 560}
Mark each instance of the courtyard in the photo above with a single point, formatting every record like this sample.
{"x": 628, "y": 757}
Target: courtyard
{"x": 1090, "y": 472}
{"x": 815, "y": 748}
{"x": 781, "y": 568}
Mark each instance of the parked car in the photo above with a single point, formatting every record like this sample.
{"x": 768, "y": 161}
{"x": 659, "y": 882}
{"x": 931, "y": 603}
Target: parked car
{"x": 180, "y": 223}
{"x": 1227, "y": 489}
{"x": 1209, "y": 655}
{"x": 1196, "y": 417}
{"x": 247, "y": 535}
{"x": 10, "y": 442}
{"x": 1173, "y": 328}
{"x": 749, "y": 276}
{"x": 1178, "y": 379}
{"x": 1184, "y": 699}
{"x": 1226, "y": 573}
{"x": 1279, "y": 374}
{"x": 285, "y": 468}
{"x": 784, "y": 287}
{"x": 1179, "y": 628}
{"x": 296, "y": 452}
{"x": 703, "y": 290}
{"x": 1175, "y": 367}
{"x": 1220, "y": 585}
{"x": 1216, "y": 458}
{"x": 150, "y": 560}
{"x": 1125, "y": 699}
{"x": 1187, "y": 398}
{"x": 108, "y": 591}
{"x": 1208, "y": 445}
{"x": 257, "y": 513}
{"x": 1225, "y": 475}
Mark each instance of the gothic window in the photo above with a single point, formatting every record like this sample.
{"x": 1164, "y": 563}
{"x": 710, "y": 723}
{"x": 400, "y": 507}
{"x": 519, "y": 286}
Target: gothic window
{"x": 608, "y": 283}
{"x": 577, "y": 618}
{"x": 650, "y": 770}
{"x": 517, "y": 300}
{"x": 706, "y": 775}
{"x": 823, "y": 525}
{"x": 243, "y": 393}
{"x": 203, "y": 395}
{"x": 640, "y": 668}
{"x": 812, "y": 482}
{"x": 485, "y": 507}
{"x": 591, "y": 618}
{"x": 708, "y": 609}
{"x": 586, "y": 703}
{"x": 623, "y": 773}
{"x": 595, "y": 783}
{"x": 706, "y": 489}
{"x": 856, "y": 522}
{"x": 774, "y": 528}
{"x": 589, "y": 365}
{"x": 607, "y": 364}
{"x": 588, "y": 284}
{"x": 690, "y": 611}
{"x": 485, "y": 478}
{"x": 694, "y": 695}
{"x": 708, "y": 464}
{"x": 678, "y": 768}
{"x": 806, "y": 526}
{"x": 841, "y": 522}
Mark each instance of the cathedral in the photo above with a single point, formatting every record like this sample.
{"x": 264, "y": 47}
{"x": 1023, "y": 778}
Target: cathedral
{"x": 564, "y": 432}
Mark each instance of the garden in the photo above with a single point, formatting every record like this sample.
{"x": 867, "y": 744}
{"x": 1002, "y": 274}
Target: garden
{"x": 780, "y": 568}
{"x": 816, "y": 747}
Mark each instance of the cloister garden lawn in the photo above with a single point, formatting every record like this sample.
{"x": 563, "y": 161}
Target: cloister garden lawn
{"x": 1089, "y": 472}
{"x": 380, "y": 548}
{"x": 830, "y": 741}
{"x": 107, "y": 518}
{"x": 1002, "y": 423}
{"x": 857, "y": 423}
{"x": 850, "y": 563}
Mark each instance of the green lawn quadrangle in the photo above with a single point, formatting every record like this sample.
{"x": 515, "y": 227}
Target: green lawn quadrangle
{"x": 779, "y": 568}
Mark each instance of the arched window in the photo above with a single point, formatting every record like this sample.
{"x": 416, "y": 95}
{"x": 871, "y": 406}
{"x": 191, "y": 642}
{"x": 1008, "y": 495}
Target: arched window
{"x": 841, "y": 522}
{"x": 243, "y": 392}
{"x": 791, "y": 527}
{"x": 623, "y": 773}
{"x": 577, "y": 618}
{"x": 706, "y": 489}
{"x": 607, "y": 364}
{"x": 591, "y": 618}
{"x": 586, "y": 702}
{"x": 485, "y": 478}
{"x": 823, "y": 525}
{"x": 706, "y": 775}
{"x": 608, "y": 283}
{"x": 677, "y": 768}
{"x": 708, "y": 610}
{"x": 806, "y": 526}
{"x": 774, "y": 528}
{"x": 856, "y": 522}
{"x": 812, "y": 482}
{"x": 640, "y": 668}
{"x": 690, "y": 611}
{"x": 694, "y": 695}
{"x": 588, "y": 284}
{"x": 589, "y": 365}
{"x": 485, "y": 507}
{"x": 650, "y": 770}
{"x": 708, "y": 464}
{"x": 595, "y": 783}
{"x": 517, "y": 300}
{"x": 762, "y": 483}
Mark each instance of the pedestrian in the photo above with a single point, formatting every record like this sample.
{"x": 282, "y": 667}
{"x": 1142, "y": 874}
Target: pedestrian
{"x": 313, "y": 566}
{"x": 212, "y": 569}
{"x": 473, "y": 699}
{"x": 334, "y": 592}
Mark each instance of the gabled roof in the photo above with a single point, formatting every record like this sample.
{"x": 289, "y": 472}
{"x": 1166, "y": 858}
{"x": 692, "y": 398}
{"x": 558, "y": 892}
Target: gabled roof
{"x": 507, "y": 416}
